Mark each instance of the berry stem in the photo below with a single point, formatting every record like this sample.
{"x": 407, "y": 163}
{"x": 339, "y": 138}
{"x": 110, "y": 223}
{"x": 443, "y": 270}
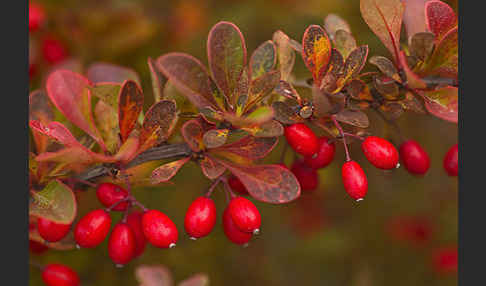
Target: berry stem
{"x": 110, "y": 208}
{"x": 213, "y": 186}
{"x": 354, "y": 136}
{"x": 338, "y": 126}
{"x": 139, "y": 204}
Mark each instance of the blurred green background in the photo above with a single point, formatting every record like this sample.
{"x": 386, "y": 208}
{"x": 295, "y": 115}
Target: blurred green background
{"x": 323, "y": 238}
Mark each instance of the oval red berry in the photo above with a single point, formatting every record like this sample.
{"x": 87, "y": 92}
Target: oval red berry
{"x": 92, "y": 229}
{"x": 109, "y": 194}
{"x": 354, "y": 180}
{"x": 51, "y": 231}
{"x": 200, "y": 217}
{"x": 232, "y": 232}
{"x": 302, "y": 139}
{"x": 414, "y": 157}
{"x": 121, "y": 244}
{"x": 451, "y": 161}
{"x": 307, "y": 176}
{"x": 159, "y": 230}
{"x": 325, "y": 154}
{"x": 245, "y": 214}
{"x": 59, "y": 275}
{"x": 134, "y": 220}
{"x": 379, "y": 152}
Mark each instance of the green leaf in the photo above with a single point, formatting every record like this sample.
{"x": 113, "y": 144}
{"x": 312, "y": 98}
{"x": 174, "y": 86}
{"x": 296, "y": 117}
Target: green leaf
{"x": 344, "y": 42}
{"x": 106, "y": 120}
{"x": 108, "y": 92}
{"x": 261, "y": 87}
{"x": 263, "y": 59}
{"x": 422, "y": 45}
{"x": 444, "y": 60}
{"x": 56, "y": 202}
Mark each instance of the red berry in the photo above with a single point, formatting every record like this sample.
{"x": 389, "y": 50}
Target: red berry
{"x": 381, "y": 153}
{"x": 445, "y": 260}
{"x": 232, "y": 232}
{"x": 245, "y": 215}
{"x": 51, "y": 231}
{"x": 121, "y": 244}
{"x": 451, "y": 161}
{"x": 109, "y": 193}
{"x": 53, "y": 50}
{"x": 92, "y": 229}
{"x": 354, "y": 180}
{"x": 414, "y": 230}
{"x": 59, "y": 275}
{"x": 37, "y": 16}
{"x": 307, "y": 176}
{"x": 200, "y": 217}
{"x": 325, "y": 154}
{"x": 159, "y": 229}
{"x": 414, "y": 157}
{"x": 237, "y": 186}
{"x": 302, "y": 139}
{"x": 134, "y": 220}
{"x": 37, "y": 247}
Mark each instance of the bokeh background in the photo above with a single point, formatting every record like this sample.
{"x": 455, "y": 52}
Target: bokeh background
{"x": 324, "y": 237}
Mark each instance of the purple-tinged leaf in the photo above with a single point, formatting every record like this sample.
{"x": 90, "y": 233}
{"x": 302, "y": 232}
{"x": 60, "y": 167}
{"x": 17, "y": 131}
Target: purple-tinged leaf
{"x": 158, "y": 80}
{"x": 386, "y": 67}
{"x": 414, "y": 17}
{"x": 333, "y": 23}
{"x": 316, "y": 52}
{"x": 355, "y": 118}
{"x": 357, "y": 89}
{"x": 158, "y": 124}
{"x": 284, "y": 113}
{"x": 411, "y": 103}
{"x": 344, "y": 42}
{"x": 215, "y": 137}
{"x": 226, "y": 56}
{"x": 106, "y": 72}
{"x": 261, "y": 87}
{"x": 444, "y": 60}
{"x": 443, "y": 103}
{"x": 334, "y": 72}
{"x": 190, "y": 77}
{"x": 272, "y": 184}
{"x": 69, "y": 93}
{"x": 422, "y": 45}
{"x": 129, "y": 108}
{"x": 246, "y": 149}
{"x": 56, "y": 202}
{"x": 211, "y": 168}
{"x": 440, "y": 18}
{"x": 413, "y": 80}
{"x": 384, "y": 17}
{"x": 241, "y": 93}
{"x": 165, "y": 172}
{"x": 285, "y": 54}
{"x": 153, "y": 275}
{"x": 287, "y": 90}
{"x": 355, "y": 61}
{"x": 193, "y": 132}
{"x": 321, "y": 102}
{"x": 263, "y": 59}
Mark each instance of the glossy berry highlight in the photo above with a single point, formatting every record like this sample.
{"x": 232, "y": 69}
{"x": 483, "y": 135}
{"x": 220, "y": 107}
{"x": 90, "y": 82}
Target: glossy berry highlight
{"x": 51, "y": 231}
{"x": 245, "y": 215}
{"x": 59, "y": 275}
{"x": 414, "y": 157}
{"x": 354, "y": 180}
{"x": 92, "y": 229}
{"x": 159, "y": 230}
{"x": 302, "y": 139}
{"x": 380, "y": 153}
{"x": 308, "y": 177}
{"x": 325, "y": 154}
{"x": 232, "y": 232}
{"x": 237, "y": 186}
{"x": 121, "y": 244}
{"x": 451, "y": 161}
{"x": 134, "y": 220}
{"x": 109, "y": 194}
{"x": 200, "y": 217}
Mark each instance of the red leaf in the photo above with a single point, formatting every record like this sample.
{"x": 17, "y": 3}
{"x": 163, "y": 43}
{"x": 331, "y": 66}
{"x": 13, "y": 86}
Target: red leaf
{"x": 384, "y": 17}
{"x": 39, "y": 109}
{"x": 211, "y": 168}
{"x": 247, "y": 149}
{"x": 165, "y": 172}
{"x": 226, "y": 56}
{"x": 413, "y": 80}
{"x": 189, "y": 76}
{"x": 130, "y": 105}
{"x": 69, "y": 93}
{"x": 316, "y": 51}
{"x": 193, "y": 131}
{"x": 440, "y": 18}
{"x": 443, "y": 103}
{"x": 158, "y": 80}
{"x": 414, "y": 17}
{"x": 267, "y": 183}
{"x": 106, "y": 72}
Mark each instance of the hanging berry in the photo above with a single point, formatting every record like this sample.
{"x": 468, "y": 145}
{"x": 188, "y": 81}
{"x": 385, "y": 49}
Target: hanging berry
{"x": 379, "y": 152}
{"x": 200, "y": 217}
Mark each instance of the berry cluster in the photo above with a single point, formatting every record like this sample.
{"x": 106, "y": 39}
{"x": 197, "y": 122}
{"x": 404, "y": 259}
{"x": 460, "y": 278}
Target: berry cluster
{"x": 319, "y": 152}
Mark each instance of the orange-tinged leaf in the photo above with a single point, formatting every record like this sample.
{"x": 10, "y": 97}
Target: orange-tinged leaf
{"x": 130, "y": 106}
{"x": 165, "y": 172}
{"x": 270, "y": 128}
{"x": 226, "y": 56}
{"x": 443, "y": 103}
{"x": 440, "y": 18}
{"x": 272, "y": 184}
{"x": 357, "y": 89}
{"x": 128, "y": 150}
{"x": 316, "y": 51}
{"x": 211, "y": 168}
{"x": 56, "y": 202}
{"x": 158, "y": 124}
{"x": 384, "y": 17}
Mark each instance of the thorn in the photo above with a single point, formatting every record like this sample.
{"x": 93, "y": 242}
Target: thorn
{"x": 172, "y": 245}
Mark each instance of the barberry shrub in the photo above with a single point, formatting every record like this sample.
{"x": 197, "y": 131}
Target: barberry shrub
{"x": 90, "y": 131}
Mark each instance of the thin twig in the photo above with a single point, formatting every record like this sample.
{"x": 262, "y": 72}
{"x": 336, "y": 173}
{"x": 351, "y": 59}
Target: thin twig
{"x": 338, "y": 126}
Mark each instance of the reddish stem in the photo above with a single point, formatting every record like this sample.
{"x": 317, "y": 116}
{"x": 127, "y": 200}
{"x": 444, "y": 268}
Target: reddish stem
{"x": 333, "y": 117}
